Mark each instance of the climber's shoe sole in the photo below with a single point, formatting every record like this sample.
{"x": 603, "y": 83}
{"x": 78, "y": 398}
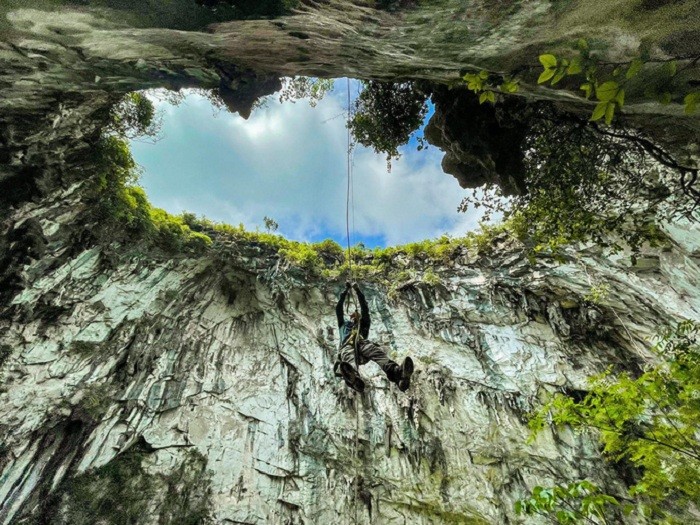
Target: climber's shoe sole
{"x": 406, "y": 373}
{"x": 351, "y": 377}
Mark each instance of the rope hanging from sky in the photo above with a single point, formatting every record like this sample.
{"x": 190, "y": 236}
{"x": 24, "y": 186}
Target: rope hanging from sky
{"x": 348, "y": 199}
{"x": 349, "y": 188}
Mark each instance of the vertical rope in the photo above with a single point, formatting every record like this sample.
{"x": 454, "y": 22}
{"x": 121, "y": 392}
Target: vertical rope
{"x": 348, "y": 199}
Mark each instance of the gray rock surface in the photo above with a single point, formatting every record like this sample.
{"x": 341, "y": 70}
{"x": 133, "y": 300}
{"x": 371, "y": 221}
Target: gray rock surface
{"x": 212, "y": 378}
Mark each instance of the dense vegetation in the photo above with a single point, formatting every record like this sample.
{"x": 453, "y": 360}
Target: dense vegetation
{"x": 580, "y": 181}
{"x": 122, "y": 213}
{"x": 386, "y": 114}
{"x": 588, "y": 184}
{"x": 651, "y": 422}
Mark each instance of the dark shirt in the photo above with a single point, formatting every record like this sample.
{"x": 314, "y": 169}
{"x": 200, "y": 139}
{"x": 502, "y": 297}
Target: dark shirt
{"x": 346, "y": 326}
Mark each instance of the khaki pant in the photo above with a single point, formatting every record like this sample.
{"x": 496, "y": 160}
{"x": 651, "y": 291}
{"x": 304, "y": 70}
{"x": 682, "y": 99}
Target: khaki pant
{"x": 369, "y": 351}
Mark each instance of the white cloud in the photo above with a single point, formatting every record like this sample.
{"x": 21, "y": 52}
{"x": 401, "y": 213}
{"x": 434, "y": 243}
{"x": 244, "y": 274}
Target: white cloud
{"x": 287, "y": 161}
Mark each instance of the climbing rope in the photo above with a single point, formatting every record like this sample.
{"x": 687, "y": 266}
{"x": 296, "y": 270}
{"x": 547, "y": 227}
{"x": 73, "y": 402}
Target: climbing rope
{"x": 348, "y": 200}
{"x": 349, "y": 188}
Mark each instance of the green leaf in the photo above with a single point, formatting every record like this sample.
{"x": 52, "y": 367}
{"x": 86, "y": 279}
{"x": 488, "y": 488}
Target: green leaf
{"x": 620, "y": 98}
{"x": 634, "y": 69}
{"x": 561, "y": 72}
{"x": 487, "y": 96}
{"x": 599, "y": 111}
{"x": 575, "y": 67}
{"x": 609, "y": 113}
{"x": 509, "y": 86}
{"x": 548, "y": 61}
{"x": 483, "y": 74}
{"x": 582, "y": 43}
{"x": 587, "y": 89}
{"x": 607, "y": 91}
{"x": 546, "y": 75}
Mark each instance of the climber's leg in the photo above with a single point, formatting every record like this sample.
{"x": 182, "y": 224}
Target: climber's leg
{"x": 345, "y": 368}
{"x": 401, "y": 375}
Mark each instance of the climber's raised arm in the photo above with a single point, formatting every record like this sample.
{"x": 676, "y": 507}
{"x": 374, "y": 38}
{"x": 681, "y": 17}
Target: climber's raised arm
{"x": 364, "y": 311}
{"x": 339, "y": 307}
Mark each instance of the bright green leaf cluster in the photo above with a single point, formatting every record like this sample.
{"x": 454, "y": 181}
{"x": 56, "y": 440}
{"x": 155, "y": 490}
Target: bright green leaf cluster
{"x": 555, "y": 69}
{"x": 651, "y": 421}
{"x": 479, "y": 83}
{"x": 569, "y": 504}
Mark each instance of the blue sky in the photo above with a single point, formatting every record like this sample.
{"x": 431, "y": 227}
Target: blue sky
{"x": 287, "y": 162}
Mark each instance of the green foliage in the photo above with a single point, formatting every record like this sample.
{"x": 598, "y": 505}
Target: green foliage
{"x": 479, "y": 83}
{"x": 386, "y": 114}
{"x": 270, "y": 224}
{"x": 577, "y": 502}
{"x": 584, "y": 184}
{"x": 134, "y": 116}
{"x": 598, "y": 293}
{"x": 431, "y": 278}
{"x": 601, "y": 79}
{"x": 651, "y": 421}
{"x": 122, "y": 211}
{"x": 313, "y": 89}
{"x": 606, "y": 80}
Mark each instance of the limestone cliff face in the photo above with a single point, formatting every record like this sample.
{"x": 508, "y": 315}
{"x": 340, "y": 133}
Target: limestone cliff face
{"x": 139, "y": 389}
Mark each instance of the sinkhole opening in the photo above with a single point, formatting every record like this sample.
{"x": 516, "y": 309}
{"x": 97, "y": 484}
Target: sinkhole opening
{"x": 284, "y": 168}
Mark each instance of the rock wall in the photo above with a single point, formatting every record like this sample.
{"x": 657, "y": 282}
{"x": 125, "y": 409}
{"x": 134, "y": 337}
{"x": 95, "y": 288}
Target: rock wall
{"x": 143, "y": 389}
{"x": 62, "y": 63}
{"x": 140, "y": 388}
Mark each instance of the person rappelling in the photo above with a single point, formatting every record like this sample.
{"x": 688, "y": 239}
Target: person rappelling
{"x": 354, "y": 347}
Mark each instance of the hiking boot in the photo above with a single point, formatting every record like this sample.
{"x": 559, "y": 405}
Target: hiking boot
{"x": 406, "y": 372}
{"x": 351, "y": 377}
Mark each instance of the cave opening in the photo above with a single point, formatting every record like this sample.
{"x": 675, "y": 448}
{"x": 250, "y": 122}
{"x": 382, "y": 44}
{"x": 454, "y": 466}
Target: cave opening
{"x": 283, "y": 168}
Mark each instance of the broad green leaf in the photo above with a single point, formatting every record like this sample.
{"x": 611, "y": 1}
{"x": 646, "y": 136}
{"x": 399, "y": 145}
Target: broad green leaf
{"x": 620, "y": 98}
{"x": 483, "y": 74}
{"x": 607, "y": 91}
{"x": 609, "y": 113}
{"x": 582, "y": 43}
{"x": 546, "y": 75}
{"x": 575, "y": 67}
{"x": 634, "y": 69}
{"x": 599, "y": 111}
{"x": 548, "y": 61}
